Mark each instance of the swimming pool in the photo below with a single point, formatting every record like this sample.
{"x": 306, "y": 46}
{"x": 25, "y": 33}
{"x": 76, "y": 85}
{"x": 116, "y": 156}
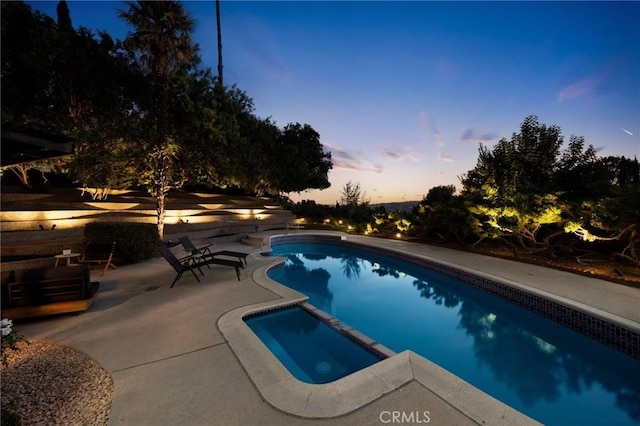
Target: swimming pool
{"x": 309, "y": 348}
{"x": 545, "y": 370}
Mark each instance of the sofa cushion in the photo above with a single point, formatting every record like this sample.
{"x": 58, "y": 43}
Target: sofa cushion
{"x": 40, "y": 286}
{"x": 7, "y": 277}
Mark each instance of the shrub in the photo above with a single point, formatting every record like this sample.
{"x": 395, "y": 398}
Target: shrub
{"x": 10, "y": 338}
{"x": 134, "y": 241}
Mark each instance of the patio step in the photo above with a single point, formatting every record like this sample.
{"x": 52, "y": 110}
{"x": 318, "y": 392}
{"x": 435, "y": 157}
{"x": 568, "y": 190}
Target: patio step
{"x": 255, "y": 240}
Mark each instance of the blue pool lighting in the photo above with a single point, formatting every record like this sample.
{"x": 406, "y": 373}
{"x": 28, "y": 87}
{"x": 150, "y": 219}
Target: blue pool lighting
{"x": 310, "y": 349}
{"x": 531, "y": 363}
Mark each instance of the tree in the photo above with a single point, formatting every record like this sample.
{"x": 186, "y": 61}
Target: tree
{"x": 64, "y": 19}
{"x": 442, "y": 214}
{"x": 511, "y": 189}
{"x": 219, "y": 30}
{"x": 352, "y": 194}
{"x": 143, "y": 111}
{"x": 439, "y": 194}
{"x": 354, "y": 206}
{"x": 389, "y": 224}
{"x": 525, "y": 164}
{"x": 68, "y": 82}
{"x": 580, "y": 174}
{"x": 21, "y": 170}
{"x": 537, "y": 198}
{"x": 608, "y": 220}
{"x": 105, "y": 114}
{"x": 28, "y": 40}
{"x": 104, "y": 155}
{"x": 299, "y": 161}
{"x": 612, "y": 223}
{"x": 162, "y": 36}
{"x": 310, "y": 210}
{"x": 239, "y": 148}
{"x": 536, "y": 149}
{"x": 99, "y": 90}
{"x": 252, "y": 156}
{"x": 197, "y": 125}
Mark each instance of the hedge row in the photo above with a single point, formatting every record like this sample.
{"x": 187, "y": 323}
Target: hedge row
{"x": 134, "y": 241}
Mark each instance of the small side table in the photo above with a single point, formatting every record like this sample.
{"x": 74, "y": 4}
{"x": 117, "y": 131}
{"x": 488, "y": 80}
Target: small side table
{"x": 67, "y": 256}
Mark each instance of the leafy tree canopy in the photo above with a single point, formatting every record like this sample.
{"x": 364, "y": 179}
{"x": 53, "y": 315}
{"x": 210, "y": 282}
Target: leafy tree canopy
{"x": 127, "y": 103}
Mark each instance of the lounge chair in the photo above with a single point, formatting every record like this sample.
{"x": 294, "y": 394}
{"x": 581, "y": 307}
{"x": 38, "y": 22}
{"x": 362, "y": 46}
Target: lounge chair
{"x": 190, "y": 263}
{"x": 99, "y": 252}
{"x": 180, "y": 265}
{"x": 191, "y": 248}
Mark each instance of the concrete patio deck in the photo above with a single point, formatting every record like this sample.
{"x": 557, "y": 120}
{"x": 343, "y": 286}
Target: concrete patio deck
{"x": 172, "y": 364}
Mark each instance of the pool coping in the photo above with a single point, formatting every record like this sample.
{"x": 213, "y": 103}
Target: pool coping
{"x": 283, "y": 391}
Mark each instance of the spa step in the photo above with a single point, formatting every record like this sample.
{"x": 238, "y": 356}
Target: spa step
{"x": 255, "y": 240}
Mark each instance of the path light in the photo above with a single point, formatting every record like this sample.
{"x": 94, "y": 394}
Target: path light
{"x": 350, "y": 227}
{"x": 340, "y": 222}
{"x": 327, "y": 220}
{"x": 398, "y": 235}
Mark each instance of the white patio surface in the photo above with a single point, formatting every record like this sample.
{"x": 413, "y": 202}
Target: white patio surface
{"x": 172, "y": 362}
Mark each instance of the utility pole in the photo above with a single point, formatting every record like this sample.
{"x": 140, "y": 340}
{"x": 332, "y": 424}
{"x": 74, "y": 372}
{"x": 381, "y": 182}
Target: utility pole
{"x": 219, "y": 43}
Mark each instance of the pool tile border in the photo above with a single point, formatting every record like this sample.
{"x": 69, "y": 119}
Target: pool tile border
{"x": 598, "y": 326}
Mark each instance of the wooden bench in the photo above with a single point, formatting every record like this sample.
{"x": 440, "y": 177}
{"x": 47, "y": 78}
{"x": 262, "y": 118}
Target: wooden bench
{"x": 47, "y": 291}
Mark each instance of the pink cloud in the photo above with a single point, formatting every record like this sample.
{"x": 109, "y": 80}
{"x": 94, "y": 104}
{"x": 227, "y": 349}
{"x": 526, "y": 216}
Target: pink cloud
{"x": 349, "y": 159}
{"x": 471, "y": 135}
{"x": 399, "y": 153}
{"x": 584, "y": 88}
{"x": 431, "y": 130}
{"x": 445, "y": 158}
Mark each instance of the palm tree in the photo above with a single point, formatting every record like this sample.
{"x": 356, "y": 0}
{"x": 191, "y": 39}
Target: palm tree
{"x": 219, "y": 43}
{"x": 162, "y": 39}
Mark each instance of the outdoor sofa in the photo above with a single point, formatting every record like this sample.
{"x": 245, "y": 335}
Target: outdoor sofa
{"x": 46, "y": 291}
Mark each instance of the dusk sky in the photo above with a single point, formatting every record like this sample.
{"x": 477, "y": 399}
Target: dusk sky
{"x": 402, "y": 93}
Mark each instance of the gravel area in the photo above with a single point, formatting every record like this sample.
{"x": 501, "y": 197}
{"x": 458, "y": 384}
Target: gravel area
{"x": 48, "y": 384}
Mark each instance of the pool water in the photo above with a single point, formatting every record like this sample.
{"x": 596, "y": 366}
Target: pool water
{"x": 310, "y": 349}
{"x": 543, "y": 369}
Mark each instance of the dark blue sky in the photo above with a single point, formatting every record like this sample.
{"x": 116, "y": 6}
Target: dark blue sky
{"x": 402, "y": 93}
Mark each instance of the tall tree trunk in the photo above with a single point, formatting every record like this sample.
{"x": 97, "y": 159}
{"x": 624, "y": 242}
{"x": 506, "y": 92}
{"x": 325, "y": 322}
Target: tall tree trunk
{"x": 160, "y": 211}
{"x": 219, "y": 43}
{"x": 162, "y": 179}
{"x": 22, "y": 171}
{"x": 161, "y": 190}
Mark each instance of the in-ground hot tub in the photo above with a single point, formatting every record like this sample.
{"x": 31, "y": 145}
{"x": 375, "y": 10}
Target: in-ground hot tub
{"x": 312, "y": 350}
